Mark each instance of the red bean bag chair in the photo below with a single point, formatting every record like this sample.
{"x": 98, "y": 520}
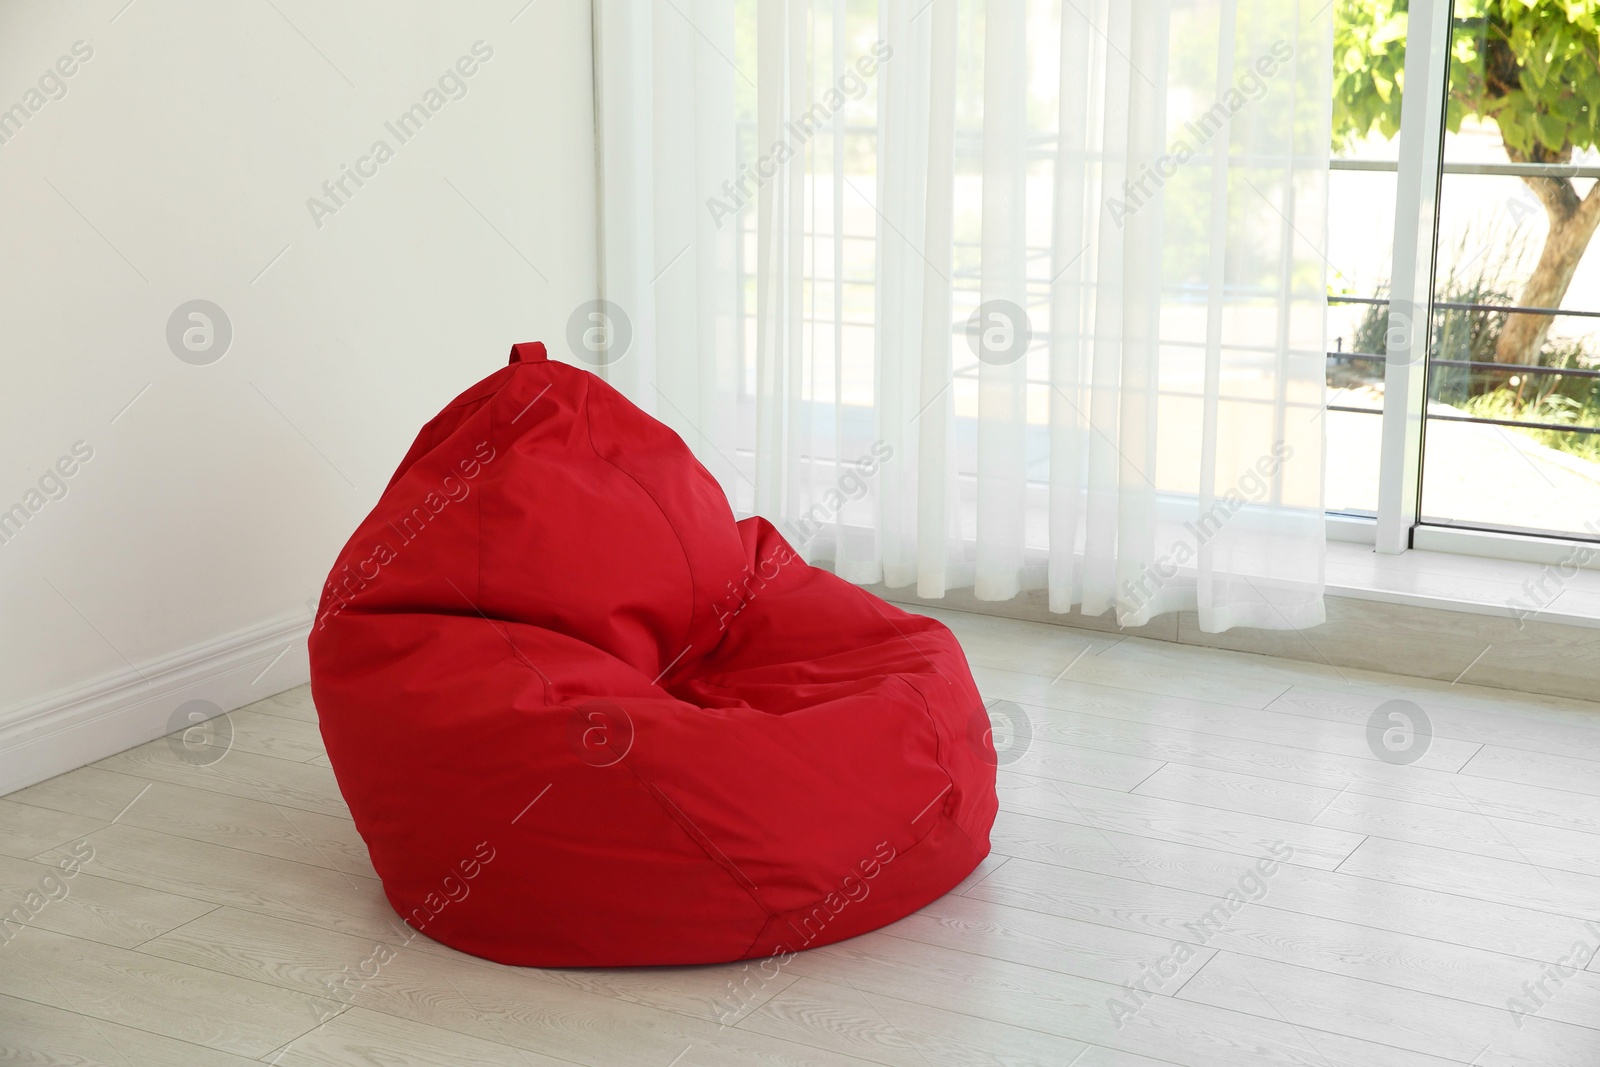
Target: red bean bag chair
{"x": 583, "y": 717}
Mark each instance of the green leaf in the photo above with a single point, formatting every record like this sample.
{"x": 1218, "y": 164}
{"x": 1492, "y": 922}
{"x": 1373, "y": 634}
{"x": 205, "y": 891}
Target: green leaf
{"x": 1552, "y": 99}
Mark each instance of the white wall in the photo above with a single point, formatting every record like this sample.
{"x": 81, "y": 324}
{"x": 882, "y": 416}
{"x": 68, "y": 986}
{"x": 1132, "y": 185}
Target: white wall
{"x": 177, "y": 166}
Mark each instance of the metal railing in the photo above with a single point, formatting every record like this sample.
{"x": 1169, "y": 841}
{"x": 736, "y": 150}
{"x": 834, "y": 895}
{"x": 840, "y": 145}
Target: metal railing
{"x": 1504, "y": 170}
{"x": 1517, "y": 369}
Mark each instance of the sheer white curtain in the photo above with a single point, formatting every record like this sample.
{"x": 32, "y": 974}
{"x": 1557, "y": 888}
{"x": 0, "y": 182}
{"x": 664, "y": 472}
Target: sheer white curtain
{"x": 999, "y": 294}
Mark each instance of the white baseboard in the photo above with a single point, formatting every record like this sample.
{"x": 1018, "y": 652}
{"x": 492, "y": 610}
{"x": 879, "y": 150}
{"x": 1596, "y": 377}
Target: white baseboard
{"x": 73, "y": 727}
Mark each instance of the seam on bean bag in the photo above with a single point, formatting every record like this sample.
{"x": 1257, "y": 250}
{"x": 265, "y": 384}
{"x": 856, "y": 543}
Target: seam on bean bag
{"x": 488, "y": 402}
{"x": 679, "y": 817}
{"x": 938, "y": 747}
{"x": 588, "y": 430}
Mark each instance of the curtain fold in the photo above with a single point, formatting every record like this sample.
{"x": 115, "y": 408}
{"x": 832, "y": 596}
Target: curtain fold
{"x": 1005, "y": 295}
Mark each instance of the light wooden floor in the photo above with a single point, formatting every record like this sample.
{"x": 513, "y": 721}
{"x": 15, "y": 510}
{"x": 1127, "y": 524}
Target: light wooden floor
{"x": 1418, "y": 900}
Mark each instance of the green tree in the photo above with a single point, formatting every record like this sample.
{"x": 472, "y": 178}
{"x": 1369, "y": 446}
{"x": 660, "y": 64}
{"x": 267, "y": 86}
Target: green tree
{"x": 1532, "y": 67}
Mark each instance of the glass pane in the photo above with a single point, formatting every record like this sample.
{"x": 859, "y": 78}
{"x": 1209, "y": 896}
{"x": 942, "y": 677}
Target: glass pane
{"x": 1369, "y": 55}
{"x": 1513, "y": 428}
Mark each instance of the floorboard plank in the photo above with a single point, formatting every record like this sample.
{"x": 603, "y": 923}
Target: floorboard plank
{"x": 1506, "y": 881}
{"x": 1385, "y": 957}
{"x": 1480, "y": 709}
{"x": 39, "y": 1035}
{"x": 1567, "y": 772}
{"x": 266, "y": 734}
{"x": 1083, "y": 766}
{"x": 360, "y": 1038}
{"x": 1368, "y": 687}
{"x": 202, "y": 1007}
{"x": 236, "y": 773}
{"x": 407, "y": 982}
{"x": 1164, "y": 820}
{"x": 293, "y": 703}
{"x": 899, "y": 1033}
{"x": 1441, "y": 1026}
{"x": 1037, "y": 939}
{"x": 1079, "y": 1009}
{"x": 89, "y": 792}
{"x": 1134, "y": 714}
{"x": 330, "y": 899}
{"x": 219, "y": 818}
{"x": 1442, "y": 915}
{"x": 1395, "y": 820}
{"x": 84, "y": 905}
{"x": 26, "y": 831}
{"x": 1572, "y": 733}
{"x": 1416, "y": 783}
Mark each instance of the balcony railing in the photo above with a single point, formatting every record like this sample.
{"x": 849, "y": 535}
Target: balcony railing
{"x": 1476, "y": 365}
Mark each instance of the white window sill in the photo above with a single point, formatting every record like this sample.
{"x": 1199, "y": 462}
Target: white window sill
{"x": 1533, "y": 591}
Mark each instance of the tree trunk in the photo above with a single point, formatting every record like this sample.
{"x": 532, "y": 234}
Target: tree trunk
{"x": 1572, "y": 224}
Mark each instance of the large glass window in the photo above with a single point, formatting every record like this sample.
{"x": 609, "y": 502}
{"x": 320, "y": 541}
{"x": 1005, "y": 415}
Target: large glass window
{"x": 1510, "y": 416}
{"x": 1506, "y": 418}
{"x": 1513, "y": 430}
{"x": 1369, "y": 66}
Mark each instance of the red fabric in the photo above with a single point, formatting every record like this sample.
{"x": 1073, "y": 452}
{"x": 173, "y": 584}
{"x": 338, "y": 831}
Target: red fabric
{"x": 583, "y": 717}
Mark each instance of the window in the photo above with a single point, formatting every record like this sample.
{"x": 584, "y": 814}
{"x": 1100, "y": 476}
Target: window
{"x": 1486, "y": 419}
{"x": 1463, "y": 340}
